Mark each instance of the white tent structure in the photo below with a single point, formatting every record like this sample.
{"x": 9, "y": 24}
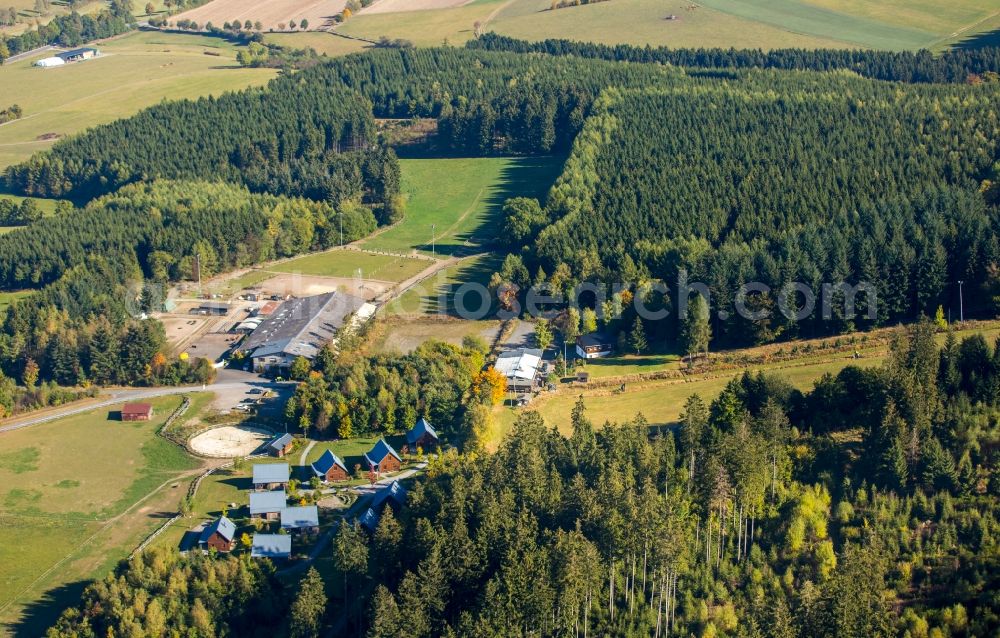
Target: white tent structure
{"x": 50, "y": 62}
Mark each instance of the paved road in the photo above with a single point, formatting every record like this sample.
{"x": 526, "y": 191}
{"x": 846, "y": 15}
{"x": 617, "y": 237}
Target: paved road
{"x": 28, "y": 54}
{"x": 229, "y": 381}
{"x": 352, "y": 512}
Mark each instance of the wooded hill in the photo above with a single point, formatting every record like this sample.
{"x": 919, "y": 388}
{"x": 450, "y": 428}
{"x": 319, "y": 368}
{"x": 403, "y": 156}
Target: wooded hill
{"x": 784, "y": 177}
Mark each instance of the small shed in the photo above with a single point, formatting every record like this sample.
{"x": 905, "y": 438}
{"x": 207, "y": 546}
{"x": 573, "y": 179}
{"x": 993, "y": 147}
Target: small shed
{"x": 280, "y": 446}
{"x": 422, "y": 435}
{"x": 271, "y": 546}
{"x": 270, "y": 476}
{"x": 137, "y": 412}
{"x": 267, "y": 505}
{"x": 301, "y": 519}
{"x": 382, "y": 458}
{"x": 582, "y": 376}
{"x": 330, "y": 468}
{"x": 220, "y": 535}
{"x": 213, "y": 308}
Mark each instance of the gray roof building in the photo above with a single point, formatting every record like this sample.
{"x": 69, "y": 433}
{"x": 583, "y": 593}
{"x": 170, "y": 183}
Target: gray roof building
{"x": 271, "y": 546}
{"x": 225, "y": 527}
{"x": 267, "y": 502}
{"x": 300, "y": 517}
{"x": 270, "y": 473}
{"x": 301, "y": 327}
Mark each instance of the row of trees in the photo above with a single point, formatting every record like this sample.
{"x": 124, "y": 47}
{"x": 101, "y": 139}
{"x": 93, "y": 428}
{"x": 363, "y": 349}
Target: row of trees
{"x": 953, "y": 65}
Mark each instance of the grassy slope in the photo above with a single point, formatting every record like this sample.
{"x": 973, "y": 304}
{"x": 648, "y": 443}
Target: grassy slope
{"x": 462, "y": 197}
{"x": 661, "y": 402}
{"x": 137, "y": 71}
{"x": 424, "y": 28}
{"x": 7, "y": 298}
{"x": 64, "y": 506}
{"x": 644, "y": 22}
{"x": 345, "y": 263}
{"x": 893, "y": 24}
{"x": 323, "y": 43}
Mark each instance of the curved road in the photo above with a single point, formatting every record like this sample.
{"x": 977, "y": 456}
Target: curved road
{"x": 229, "y": 381}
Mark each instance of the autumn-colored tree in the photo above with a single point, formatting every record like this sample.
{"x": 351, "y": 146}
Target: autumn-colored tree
{"x": 489, "y": 386}
{"x": 30, "y": 376}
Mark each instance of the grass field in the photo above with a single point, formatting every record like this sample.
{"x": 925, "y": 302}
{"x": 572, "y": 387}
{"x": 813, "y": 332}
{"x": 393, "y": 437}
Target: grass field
{"x": 662, "y": 401}
{"x": 7, "y": 298}
{"x": 345, "y": 263}
{"x": 644, "y": 22}
{"x": 47, "y": 206}
{"x": 3, "y": 231}
{"x": 423, "y": 28}
{"x": 462, "y": 198}
{"x": 766, "y": 24}
{"x": 136, "y": 71}
{"x": 77, "y": 495}
{"x": 322, "y": 42}
{"x": 406, "y": 336}
{"x": 436, "y": 294}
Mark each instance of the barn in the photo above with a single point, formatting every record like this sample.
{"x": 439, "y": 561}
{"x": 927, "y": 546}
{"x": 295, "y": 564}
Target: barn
{"x": 220, "y": 535}
{"x": 270, "y": 476}
{"x": 280, "y": 446}
{"x": 304, "y": 520}
{"x": 382, "y": 458}
{"x": 77, "y": 55}
{"x": 137, "y": 412}
{"x": 422, "y": 435}
{"x": 330, "y": 468}
{"x": 267, "y": 505}
{"x": 394, "y": 496}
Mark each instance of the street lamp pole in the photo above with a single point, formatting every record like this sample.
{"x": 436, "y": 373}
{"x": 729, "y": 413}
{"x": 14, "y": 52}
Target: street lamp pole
{"x": 961, "y": 304}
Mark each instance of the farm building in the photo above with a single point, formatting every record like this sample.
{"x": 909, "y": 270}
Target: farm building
{"x": 330, "y": 468}
{"x": 271, "y": 546}
{"x": 280, "y": 446}
{"x": 267, "y": 505}
{"x": 77, "y": 55}
{"x": 47, "y": 63}
{"x": 421, "y": 435}
{"x": 300, "y": 328}
{"x": 594, "y": 345}
{"x": 301, "y": 519}
{"x": 137, "y": 412}
{"x": 247, "y": 326}
{"x": 270, "y": 476}
{"x": 382, "y": 458}
{"x": 213, "y": 308}
{"x": 220, "y": 535}
{"x": 521, "y": 368}
{"x": 394, "y": 495}
{"x": 268, "y": 309}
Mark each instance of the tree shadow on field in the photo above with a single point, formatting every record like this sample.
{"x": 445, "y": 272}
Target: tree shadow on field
{"x": 979, "y": 41}
{"x": 43, "y": 613}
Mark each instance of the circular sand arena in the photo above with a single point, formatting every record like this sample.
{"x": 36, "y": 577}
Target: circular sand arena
{"x": 229, "y": 441}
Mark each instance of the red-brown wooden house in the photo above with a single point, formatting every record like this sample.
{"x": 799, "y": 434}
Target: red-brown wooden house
{"x": 137, "y": 412}
{"x": 220, "y": 535}
{"x": 329, "y": 468}
{"x": 382, "y": 458}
